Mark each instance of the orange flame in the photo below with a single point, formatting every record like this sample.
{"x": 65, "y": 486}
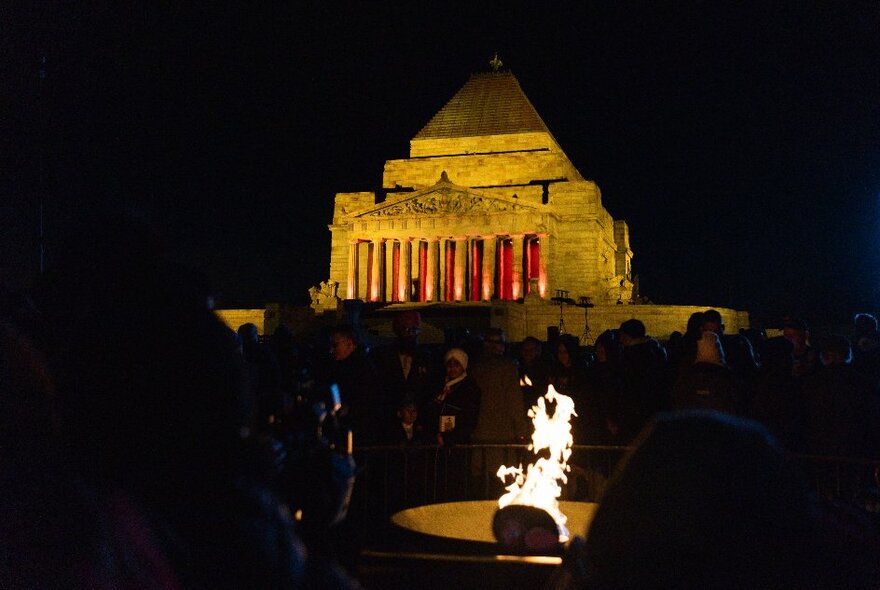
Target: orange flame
{"x": 539, "y": 485}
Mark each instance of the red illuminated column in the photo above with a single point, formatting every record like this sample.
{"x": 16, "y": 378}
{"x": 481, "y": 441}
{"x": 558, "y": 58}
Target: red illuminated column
{"x": 543, "y": 249}
{"x": 424, "y": 269}
{"x": 392, "y": 281}
{"x": 406, "y": 283}
{"x": 532, "y": 263}
{"x": 449, "y": 264}
{"x": 432, "y": 263}
{"x": 505, "y": 268}
{"x": 442, "y": 256}
{"x": 475, "y": 292}
{"x": 378, "y": 274}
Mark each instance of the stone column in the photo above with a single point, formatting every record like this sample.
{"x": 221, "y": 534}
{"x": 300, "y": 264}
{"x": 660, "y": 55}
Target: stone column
{"x": 351, "y": 286}
{"x": 517, "y": 278}
{"x": 406, "y": 271}
{"x": 543, "y": 253}
{"x": 432, "y": 272}
{"x": 363, "y": 279}
{"x": 386, "y": 294}
{"x": 378, "y": 271}
{"x": 489, "y": 276}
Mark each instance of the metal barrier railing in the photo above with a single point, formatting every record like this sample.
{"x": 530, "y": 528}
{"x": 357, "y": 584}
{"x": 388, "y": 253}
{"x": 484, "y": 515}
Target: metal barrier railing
{"x": 839, "y": 478}
{"x": 392, "y": 478}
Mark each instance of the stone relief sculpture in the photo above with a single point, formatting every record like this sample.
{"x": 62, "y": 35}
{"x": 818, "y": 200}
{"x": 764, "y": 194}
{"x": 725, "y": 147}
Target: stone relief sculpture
{"x": 324, "y": 296}
{"x": 447, "y": 202}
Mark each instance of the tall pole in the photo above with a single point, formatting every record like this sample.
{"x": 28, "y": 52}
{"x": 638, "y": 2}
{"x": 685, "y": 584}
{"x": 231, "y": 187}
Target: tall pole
{"x": 41, "y": 76}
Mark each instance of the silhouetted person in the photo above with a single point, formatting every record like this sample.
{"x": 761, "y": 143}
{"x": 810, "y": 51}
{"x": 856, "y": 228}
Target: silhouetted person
{"x": 452, "y": 413}
{"x": 568, "y": 372}
{"x": 686, "y": 347}
{"x": 712, "y": 322}
{"x": 865, "y": 333}
{"x": 568, "y": 375}
{"x": 502, "y": 414}
{"x": 707, "y": 384}
{"x": 840, "y": 405}
{"x": 451, "y": 416}
{"x": 534, "y": 371}
{"x": 58, "y": 529}
{"x": 410, "y": 430}
{"x": 290, "y": 363}
{"x": 155, "y": 409}
{"x": 644, "y": 382}
{"x": 264, "y": 376}
{"x": 866, "y": 347}
{"x": 599, "y": 411}
{"x": 777, "y": 400}
{"x": 805, "y": 359}
{"x": 407, "y": 469}
{"x": 757, "y": 338}
{"x": 686, "y": 511}
{"x": 347, "y": 367}
{"x": 738, "y": 354}
{"x": 404, "y": 369}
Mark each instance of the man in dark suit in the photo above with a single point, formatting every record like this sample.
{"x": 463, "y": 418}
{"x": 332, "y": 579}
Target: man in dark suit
{"x": 404, "y": 370}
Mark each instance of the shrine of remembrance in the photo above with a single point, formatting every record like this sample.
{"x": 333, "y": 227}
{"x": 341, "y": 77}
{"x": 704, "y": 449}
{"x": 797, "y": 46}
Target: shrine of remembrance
{"x": 486, "y": 208}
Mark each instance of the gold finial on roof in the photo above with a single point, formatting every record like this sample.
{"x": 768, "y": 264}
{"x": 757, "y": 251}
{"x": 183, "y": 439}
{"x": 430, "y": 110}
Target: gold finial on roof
{"x": 496, "y": 63}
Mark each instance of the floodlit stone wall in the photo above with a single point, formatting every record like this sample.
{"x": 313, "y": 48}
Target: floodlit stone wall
{"x": 482, "y": 144}
{"x": 521, "y": 320}
{"x": 236, "y": 317}
{"x": 532, "y": 318}
{"x": 480, "y": 169}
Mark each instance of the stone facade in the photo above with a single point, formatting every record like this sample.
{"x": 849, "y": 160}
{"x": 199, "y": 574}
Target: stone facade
{"x": 486, "y": 207}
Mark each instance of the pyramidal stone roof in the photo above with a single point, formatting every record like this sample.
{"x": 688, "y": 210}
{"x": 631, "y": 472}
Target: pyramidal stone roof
{"x": 488, "y": 104}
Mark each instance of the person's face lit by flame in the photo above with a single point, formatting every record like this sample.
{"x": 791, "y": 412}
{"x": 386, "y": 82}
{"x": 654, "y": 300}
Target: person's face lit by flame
{"x": 341, "y": 347}
{"x": 530, "y": 352}
{"x": 454, "y": 370}
{"x": 562, "y": 355}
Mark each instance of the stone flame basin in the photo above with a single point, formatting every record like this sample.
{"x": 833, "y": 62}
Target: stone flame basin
{"x": 451, "y": 545}
{"x": 471, "y": 522}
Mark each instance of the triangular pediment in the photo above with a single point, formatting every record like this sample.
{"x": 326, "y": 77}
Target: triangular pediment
{"x": 445, "y": 198}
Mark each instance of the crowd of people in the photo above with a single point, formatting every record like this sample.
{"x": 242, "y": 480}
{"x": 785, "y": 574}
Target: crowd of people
{"x": 143, "y": 442}
{"x": 817, "y": 398}
{"x": 131, "y": 450}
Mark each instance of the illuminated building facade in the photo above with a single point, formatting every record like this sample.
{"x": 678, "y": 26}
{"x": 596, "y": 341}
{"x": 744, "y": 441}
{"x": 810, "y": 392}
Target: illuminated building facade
{"x": 486, "y": 207}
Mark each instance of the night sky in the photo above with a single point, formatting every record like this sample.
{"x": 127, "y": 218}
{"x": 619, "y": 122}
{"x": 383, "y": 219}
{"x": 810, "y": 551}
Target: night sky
{"x": 740, "y": 141}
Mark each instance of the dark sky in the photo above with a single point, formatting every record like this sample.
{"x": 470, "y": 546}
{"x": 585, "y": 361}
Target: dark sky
{"x": 740, "y": 141}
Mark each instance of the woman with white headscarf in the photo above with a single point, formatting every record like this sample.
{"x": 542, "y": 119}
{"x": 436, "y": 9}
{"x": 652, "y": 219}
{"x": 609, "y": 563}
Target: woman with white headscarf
{"x": 452, "y": 414}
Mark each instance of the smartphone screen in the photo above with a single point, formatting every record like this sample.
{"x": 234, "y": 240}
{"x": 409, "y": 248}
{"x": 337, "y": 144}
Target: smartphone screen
{"x": 337, "y": 399}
